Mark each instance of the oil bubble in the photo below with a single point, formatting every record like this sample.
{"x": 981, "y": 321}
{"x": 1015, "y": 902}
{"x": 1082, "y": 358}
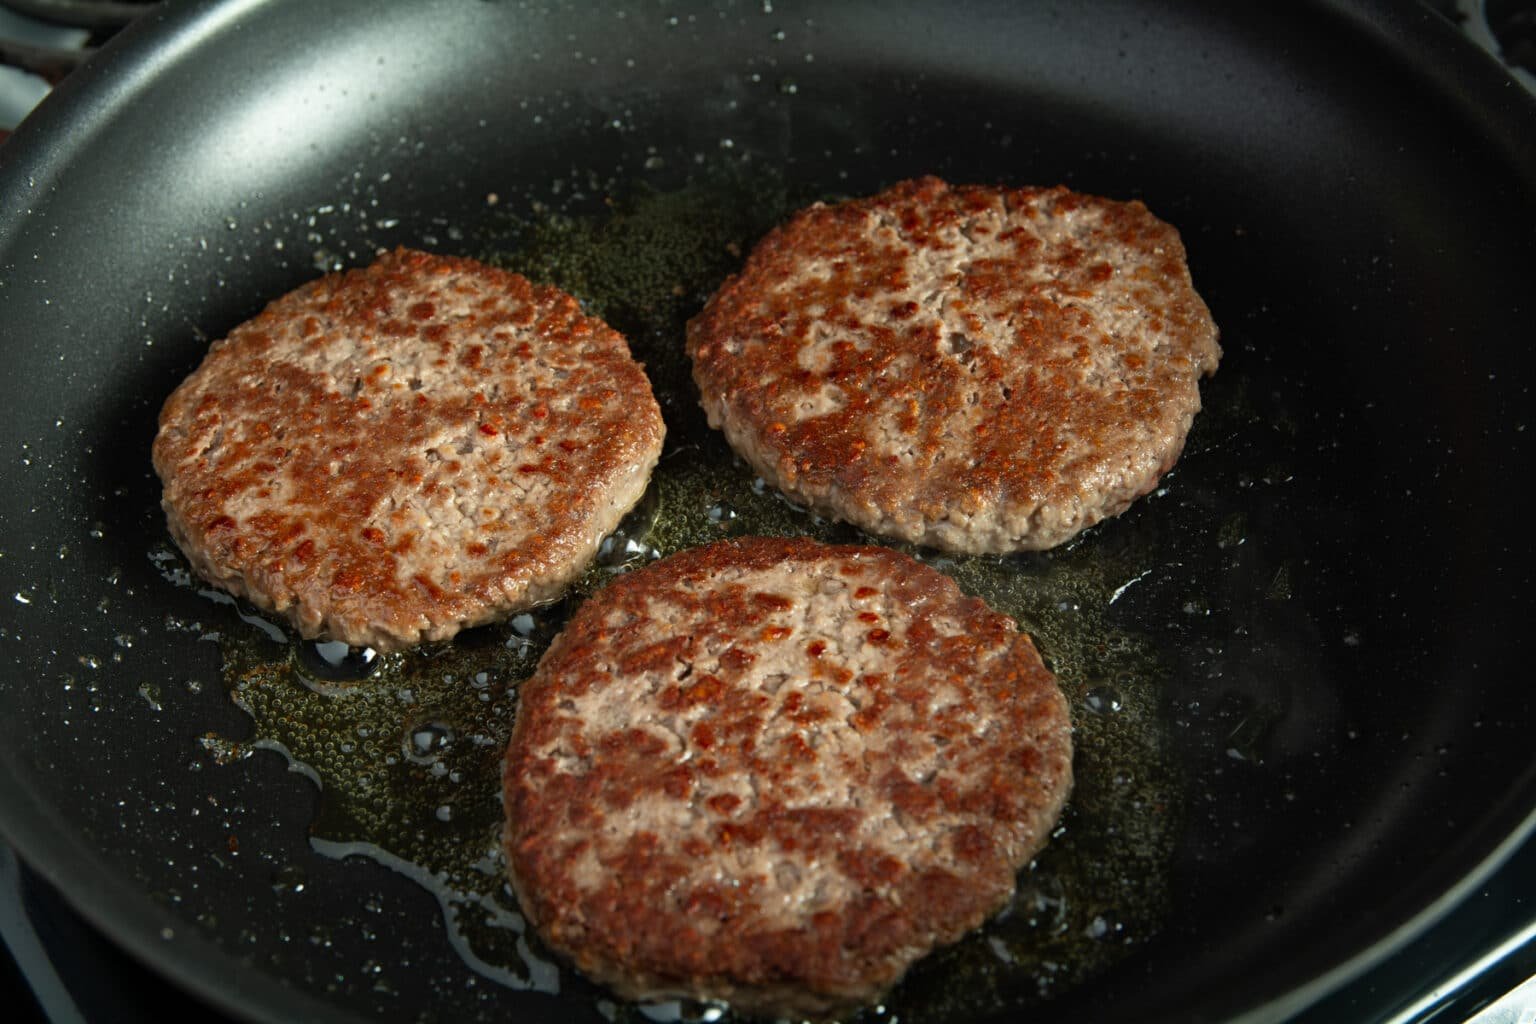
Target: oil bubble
{"x": 332, "y": 661}
{"x": 722, "y": 513}
{"x": 1249, "y": 738}
{"x": 1104, "y": 926}
{"x": 426, "y": 742}
{"x": 682, "y": 1011}
{"x": 1103, "y": 700}
{"x": 532, "y": 631}
{"x": 1042, "y": 903}
{"x": 620, "y": 552}
{"x": 640, "y": 519}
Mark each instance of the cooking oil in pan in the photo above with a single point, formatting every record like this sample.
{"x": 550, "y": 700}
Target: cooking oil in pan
{"x": 407, "y": 748}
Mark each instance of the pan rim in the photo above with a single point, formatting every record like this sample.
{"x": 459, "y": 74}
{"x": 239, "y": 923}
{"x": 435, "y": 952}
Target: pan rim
{"x": 93, "y": 96}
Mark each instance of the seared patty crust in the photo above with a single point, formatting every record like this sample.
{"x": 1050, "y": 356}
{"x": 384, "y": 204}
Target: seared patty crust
{"x": 977, "y": 369}
{"x": 387, "y": 455}
{"x": 777, "y": 772}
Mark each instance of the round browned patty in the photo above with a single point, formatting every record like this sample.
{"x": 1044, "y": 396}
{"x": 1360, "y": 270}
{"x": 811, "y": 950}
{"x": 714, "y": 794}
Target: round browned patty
{"x": 977, "y": 369}
{"x": 387, "y": 455}
{"x": 776, "y": 772}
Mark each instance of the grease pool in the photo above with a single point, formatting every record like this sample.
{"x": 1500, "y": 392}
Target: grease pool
{"x": 407, "y": 751}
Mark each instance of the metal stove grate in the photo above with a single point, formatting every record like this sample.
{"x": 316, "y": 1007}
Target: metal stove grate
{"x": 1506, "y": 29}
{"x": 51, "y": 60}
{"x": 41, "y": 41}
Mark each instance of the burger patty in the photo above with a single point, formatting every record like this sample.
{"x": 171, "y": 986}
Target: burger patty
{"x": 387, "y": 455}
{"x": 777, "y": 772}
{"x": 982, "y": 370}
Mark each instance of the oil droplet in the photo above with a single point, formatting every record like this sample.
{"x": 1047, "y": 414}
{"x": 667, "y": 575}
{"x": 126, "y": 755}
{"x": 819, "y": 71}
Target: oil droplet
{"x": 1103, "y": 700}
{"x": 628, "y": 545}
{"x": 533, "y": 630}
{"x": 1249, "y": 737}
{"x": 682, "y": 1011}
{"x": 332, "y": 661}
{"x": 1041, "y": 901}
{"x": 1232, "y": 533}
{"x": 224, "y": 751}
{"x": 620, "y": 552}
{"x": 1103, "y": 926}
{"x": 1280, "y": 585}
{"x": 427, "y": 741}
{"x": 722, "y": 513}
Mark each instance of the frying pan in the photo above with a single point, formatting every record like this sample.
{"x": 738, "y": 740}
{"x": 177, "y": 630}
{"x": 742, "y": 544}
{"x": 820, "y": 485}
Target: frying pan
{"x": 1335, "y": 583}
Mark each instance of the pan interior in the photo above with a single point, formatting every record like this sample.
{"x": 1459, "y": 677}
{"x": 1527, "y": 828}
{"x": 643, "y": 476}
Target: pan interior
{"x": 1327, "y": 590}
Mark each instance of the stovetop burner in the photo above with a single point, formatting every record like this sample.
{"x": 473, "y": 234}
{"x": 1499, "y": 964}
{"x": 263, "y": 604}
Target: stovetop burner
{"x": 1477, "y": 964}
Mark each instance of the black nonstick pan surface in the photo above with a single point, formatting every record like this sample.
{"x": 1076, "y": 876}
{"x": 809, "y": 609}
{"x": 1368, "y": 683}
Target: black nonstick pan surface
{"x": 1316, "y": 630}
